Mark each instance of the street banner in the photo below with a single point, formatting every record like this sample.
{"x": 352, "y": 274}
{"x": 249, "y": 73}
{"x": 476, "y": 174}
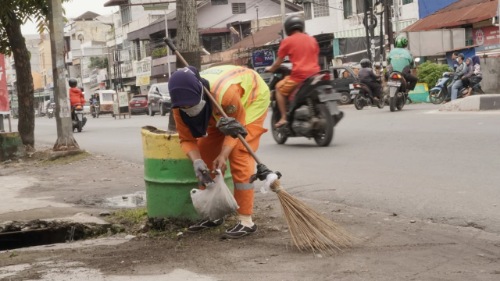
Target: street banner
{"x": 142, "y": 71}
{"x": 261, "y": 58}
{"x": 4, "y": 93}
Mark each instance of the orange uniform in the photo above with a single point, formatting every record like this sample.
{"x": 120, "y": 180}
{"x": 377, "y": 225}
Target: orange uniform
{"x": 244, "y": 96}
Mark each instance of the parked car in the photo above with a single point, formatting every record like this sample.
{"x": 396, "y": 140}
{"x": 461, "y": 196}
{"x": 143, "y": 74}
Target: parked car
{"x": 343, "y": 78}
{"x": 138, "y": 104}
{"x": 159, "y": 99}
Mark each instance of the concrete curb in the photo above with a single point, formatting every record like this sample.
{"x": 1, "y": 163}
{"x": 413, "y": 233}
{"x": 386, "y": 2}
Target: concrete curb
{"x": 473, "y": 103}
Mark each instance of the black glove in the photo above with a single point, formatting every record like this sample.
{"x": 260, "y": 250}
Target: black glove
{"x": 262, "y": 172}
{"x": 231, "y": 127}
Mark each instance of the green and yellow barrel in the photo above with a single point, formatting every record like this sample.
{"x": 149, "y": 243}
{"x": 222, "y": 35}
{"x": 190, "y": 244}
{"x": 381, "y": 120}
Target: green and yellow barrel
{"x": 169, "y": 176}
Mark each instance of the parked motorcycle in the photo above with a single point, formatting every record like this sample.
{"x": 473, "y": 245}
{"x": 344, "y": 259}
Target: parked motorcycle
{"x": 50, "y": 109}
{"x": 312, "y": 110}
{"x": 361, "y": 95}
{"x": 78, "y": 117}
{"x": 398, "y": 91}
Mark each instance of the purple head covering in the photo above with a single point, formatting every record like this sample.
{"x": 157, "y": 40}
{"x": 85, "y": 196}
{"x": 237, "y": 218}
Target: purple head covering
{"x": 185, "y": 87}
{"x": 475, "y": 60}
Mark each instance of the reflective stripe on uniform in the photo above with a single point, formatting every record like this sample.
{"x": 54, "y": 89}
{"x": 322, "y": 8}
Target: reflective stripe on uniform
{"x": 243, "y": 186}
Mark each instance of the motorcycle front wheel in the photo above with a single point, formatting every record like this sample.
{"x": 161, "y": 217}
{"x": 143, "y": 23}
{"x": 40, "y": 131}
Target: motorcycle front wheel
{"x": 436, "y": 96}
{"x": 324, "y": 136}
{"x": 279, "y": 134}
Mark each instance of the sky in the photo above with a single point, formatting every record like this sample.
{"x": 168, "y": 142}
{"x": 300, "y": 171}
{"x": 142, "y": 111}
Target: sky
{"x": 75, "y": 8}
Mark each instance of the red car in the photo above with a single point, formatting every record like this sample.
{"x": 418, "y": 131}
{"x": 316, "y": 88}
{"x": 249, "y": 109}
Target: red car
{"x": 138, "y": 104}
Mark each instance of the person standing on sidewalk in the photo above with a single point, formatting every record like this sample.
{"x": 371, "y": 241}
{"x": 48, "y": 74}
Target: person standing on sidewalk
{"x": 303, "y": 52}
{"x": 244, "y": 96}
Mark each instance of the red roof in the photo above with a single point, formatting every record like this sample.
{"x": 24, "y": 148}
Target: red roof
{"x": 457, "y": 14}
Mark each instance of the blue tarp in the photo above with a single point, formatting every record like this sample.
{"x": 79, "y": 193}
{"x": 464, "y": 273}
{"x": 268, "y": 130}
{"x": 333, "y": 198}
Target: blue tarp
{"x": 428, "y": 7}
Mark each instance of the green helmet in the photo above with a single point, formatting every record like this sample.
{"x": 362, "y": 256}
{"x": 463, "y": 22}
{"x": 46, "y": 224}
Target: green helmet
{"x": 401, "y": 42}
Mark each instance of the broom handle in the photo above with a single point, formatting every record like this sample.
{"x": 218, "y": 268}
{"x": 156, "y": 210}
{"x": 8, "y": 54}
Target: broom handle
{"x": 213, "y": 100}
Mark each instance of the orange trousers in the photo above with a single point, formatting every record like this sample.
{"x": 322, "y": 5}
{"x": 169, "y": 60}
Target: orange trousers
{"x": 240, "y": 161}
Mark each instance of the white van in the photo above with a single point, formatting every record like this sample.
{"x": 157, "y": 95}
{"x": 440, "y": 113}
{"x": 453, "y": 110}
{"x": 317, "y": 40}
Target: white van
{"x": 159, "y": 99}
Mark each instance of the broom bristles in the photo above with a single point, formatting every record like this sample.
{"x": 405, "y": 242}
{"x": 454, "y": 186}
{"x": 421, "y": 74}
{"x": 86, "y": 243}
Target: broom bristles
{"x": 309, "y": 229}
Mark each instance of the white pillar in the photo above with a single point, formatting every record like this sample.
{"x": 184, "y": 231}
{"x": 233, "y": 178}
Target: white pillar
{"x": 168, "y": 49}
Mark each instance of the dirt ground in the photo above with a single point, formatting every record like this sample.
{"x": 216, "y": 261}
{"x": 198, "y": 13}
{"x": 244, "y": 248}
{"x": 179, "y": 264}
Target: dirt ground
{"x": 387, "y": 247}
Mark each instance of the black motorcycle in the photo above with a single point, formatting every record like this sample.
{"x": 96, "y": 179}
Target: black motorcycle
{"x": 78, "y": 117}
{"x": 362, "y": 96}
{"x": 398, "y": 91}
{"x": 312, "y": 110}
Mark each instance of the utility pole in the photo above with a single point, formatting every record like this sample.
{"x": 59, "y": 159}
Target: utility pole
{"x": 283, "y": 16}
{"x": 65, "y": 140}
{"x": 168, "y": 50}
{"x": 388, "y": 24}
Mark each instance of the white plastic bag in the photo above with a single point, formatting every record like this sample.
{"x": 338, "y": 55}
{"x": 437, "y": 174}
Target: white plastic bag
{"x": 215, "y": 201}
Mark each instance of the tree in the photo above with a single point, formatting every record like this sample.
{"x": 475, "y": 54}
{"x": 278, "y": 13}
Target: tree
{"x": 187, "y": 40}
{"x": 13, "y": 14}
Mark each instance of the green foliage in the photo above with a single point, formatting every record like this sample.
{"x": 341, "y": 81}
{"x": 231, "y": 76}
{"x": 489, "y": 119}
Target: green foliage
{"x": 99, "y": 63}
{"x": 430, "y": 72}
{"x": 159, "y": 52}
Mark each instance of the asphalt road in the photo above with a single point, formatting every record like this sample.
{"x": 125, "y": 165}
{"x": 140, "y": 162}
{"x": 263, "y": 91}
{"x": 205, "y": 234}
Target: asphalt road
{"x": 419, "y": 163}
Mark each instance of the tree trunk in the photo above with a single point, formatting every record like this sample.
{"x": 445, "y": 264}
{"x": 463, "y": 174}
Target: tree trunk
{"x": 65, "y": 139}
{"x": 187, "y": 40}
{"x": 25, "y": 91}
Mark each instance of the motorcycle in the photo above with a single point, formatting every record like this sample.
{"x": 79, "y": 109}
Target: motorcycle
{"x": 312, "y": 110}
{"x": 78, "y": 117}
{"x": 398, "y": 92}
{"x": 440, "y": 92}
{"x": 50, "y": 109}
{"x": 361, "y": 95}
{"x": 95, "y": 110}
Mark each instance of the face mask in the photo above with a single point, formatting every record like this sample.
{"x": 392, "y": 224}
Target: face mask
{"x": 194, "y": 110}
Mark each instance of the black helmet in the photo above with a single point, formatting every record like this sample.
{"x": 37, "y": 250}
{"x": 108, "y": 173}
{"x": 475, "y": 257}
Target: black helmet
{"x": 365, "y": 63}
{"x": 72, "y": 82}
{"x": 293, "y": 23}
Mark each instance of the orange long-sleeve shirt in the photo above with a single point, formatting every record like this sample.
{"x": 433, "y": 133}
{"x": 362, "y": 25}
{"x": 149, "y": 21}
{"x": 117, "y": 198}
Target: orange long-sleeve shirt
{"x": 231, "y": 103}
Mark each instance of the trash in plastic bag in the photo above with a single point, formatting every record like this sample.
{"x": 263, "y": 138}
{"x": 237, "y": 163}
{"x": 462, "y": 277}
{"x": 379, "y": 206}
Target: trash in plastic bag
{"x": 215, "y": 201}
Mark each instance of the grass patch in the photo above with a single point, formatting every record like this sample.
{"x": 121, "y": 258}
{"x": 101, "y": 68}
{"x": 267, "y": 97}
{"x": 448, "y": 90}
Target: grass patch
{"x": 130, "y": 217}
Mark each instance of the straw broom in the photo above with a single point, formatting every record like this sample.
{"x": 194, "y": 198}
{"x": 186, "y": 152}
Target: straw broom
{"x": 309, "y": 229}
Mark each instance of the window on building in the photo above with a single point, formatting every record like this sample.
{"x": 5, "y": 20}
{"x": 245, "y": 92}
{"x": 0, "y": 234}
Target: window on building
{"x": 125, "y": 14}
{"x": 307, "y": 11}
{"x": 360, "y": 5}
{"x": 321, "y": 8}
{"x": 218, "y": 2}
{"x": 347, "y": 8}
{"x": 239, "y": 8}
{"x": 407, "y": 2}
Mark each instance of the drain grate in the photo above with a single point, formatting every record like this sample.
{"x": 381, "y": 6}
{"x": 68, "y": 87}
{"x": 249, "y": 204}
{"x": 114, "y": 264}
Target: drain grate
{"x": 19, "y": 235}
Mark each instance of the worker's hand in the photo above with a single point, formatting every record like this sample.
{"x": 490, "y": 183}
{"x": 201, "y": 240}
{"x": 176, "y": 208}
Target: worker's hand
{"x": 231, "y": 127}
{"x": 202, "y": 172}
{"x": 220, "y": 163}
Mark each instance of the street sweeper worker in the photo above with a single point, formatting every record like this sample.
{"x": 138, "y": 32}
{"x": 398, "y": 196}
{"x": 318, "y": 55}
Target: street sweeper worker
{"x": 244, "y": 96}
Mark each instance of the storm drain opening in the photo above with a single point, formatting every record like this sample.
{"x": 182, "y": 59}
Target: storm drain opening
{"x": 14, "y": 235}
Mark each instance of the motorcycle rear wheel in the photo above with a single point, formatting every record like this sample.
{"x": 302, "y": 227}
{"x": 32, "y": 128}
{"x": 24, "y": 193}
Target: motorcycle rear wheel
{"x": 358, "y": 102}
{"x": 401, "y": 101}
{"x": 279, "y": 134}
{"x": 325, "y": 136}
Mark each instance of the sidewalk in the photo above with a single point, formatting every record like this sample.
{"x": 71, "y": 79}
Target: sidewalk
{"x": 473, "y": 103}
{"x": 388, "y": 247}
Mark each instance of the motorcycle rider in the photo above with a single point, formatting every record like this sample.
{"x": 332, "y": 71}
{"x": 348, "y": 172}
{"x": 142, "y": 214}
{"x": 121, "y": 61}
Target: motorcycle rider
{"x": 303, "y": 52}
{"x": 401, "y": 60}
{"x": 457, "y": 77}
{"x": 368, "y": 77}
{"x": 76, "y": 96}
